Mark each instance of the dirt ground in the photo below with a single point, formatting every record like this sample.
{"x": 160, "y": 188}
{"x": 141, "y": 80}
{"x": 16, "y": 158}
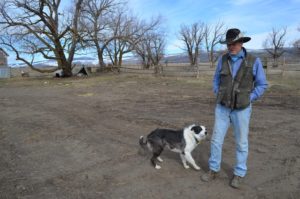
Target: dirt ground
{"x": 78, "y": 138}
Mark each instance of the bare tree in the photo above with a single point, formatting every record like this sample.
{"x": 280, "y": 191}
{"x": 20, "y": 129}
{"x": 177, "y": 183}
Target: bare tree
{"x": 95, "y": 21}
{"x": 212, "y": 36}
{"x": 296, "y": 43}
{"x": 111, "y": 30}
{"x": 274, "y": 44}
{"x": 151, "y": 49}
{"x": 38, "y": 28}
{"x": 192, "y": 37}
{"x": 141, "y": 49}
{"x": 127, "y": 32}
{"x": 124, "y": 29}
{"x": 156, "y": 48}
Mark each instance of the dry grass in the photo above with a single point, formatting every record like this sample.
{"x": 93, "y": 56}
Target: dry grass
{"x": 78, "y": 138}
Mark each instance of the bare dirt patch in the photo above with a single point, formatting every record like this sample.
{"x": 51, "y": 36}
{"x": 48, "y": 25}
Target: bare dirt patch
{"x": 78, "y": 138}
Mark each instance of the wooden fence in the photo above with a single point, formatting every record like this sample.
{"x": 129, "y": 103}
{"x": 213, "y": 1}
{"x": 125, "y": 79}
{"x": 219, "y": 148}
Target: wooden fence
{"x": 171, "y": 69}
{"x": 5, "y": 72}
{"x": 185, "y": 70}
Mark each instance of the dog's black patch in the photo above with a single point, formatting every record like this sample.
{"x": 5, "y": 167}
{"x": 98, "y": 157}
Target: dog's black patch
{"x": 197, "y": 129}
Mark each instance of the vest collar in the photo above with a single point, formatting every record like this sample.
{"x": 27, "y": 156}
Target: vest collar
{"x": 240, "y": 55}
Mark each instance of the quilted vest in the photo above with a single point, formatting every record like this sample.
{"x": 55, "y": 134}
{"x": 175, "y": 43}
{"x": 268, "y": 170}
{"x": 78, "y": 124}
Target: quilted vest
{"x": 235, "y": 92}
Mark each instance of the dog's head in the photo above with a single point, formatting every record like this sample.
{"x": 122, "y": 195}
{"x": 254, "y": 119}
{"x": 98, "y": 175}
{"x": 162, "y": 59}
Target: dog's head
{"x": 199, "y": 132}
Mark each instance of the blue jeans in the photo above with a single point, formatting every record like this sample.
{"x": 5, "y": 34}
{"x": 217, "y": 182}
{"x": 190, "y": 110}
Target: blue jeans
{"x": 240, "y": 120}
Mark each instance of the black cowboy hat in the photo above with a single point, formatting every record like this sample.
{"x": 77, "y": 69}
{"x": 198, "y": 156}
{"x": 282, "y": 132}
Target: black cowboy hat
{"x": 235, "y": 35}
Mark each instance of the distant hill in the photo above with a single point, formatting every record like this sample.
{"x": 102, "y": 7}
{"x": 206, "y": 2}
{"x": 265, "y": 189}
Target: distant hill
{"x": 84, "y": 60}
{"x": 290, "y": 54}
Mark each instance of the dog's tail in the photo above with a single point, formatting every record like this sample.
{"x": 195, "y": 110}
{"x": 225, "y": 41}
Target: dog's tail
{"x": 143, "y": 143}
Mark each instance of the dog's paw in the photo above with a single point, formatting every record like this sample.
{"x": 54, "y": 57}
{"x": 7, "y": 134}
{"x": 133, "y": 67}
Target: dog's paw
{"x": 186, "y": 166}
{"x": 159, "y": 159}
{"x": 157, "y": 167}
{"x": 197, "y": 168}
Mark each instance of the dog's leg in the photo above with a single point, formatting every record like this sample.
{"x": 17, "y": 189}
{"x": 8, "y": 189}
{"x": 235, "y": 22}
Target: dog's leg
{"x": 184, "y": 161}
{"x": 156, "y": 154}
{"x": 190, "y": 159}
{"x": 159, "y": 159}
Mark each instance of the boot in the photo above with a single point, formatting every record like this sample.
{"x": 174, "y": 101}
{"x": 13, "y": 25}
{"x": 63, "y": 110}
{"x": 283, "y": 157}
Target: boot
{"x": 236, "y": 181}
{"x": 209, "y": 176}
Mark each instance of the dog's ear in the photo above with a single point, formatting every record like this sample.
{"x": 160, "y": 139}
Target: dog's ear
{"x": 196, "y": 129}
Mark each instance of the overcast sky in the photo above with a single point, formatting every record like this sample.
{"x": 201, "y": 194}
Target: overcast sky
{"x": 254, "y": 17}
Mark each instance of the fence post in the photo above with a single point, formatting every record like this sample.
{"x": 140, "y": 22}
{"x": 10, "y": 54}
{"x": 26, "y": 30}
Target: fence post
{"x": 265, "y": 64}
{"x": 283, "y": 67}
{"x": 198, "y": 71}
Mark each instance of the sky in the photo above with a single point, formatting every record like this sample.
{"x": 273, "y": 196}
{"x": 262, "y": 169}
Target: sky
{"x": 255, "y": 18}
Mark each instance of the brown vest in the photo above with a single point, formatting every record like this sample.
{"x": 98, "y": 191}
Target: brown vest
{"x": 235, "y": 93}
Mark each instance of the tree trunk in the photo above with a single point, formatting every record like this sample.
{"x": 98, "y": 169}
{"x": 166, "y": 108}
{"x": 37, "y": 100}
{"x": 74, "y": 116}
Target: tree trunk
{"x": 100, "y": 58}
{"x": 120, "y": 59}
{"x": 211, "y": 59}
{"x": 191, "y": 59}
{"x": 275, "y": 61}
{"x": 62, "y": 61}
{"x": 67, "y": 69}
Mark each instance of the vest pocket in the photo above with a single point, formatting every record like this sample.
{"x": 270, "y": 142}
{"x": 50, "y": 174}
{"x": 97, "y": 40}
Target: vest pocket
{"x": 242, "y": 99}
{"x": 220, "y": 95}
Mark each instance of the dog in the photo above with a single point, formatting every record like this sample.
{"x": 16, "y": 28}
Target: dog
{"x": 182, "y": 141}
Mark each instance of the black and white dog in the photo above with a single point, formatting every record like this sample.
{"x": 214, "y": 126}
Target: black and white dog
{"x": 182, "y": 141}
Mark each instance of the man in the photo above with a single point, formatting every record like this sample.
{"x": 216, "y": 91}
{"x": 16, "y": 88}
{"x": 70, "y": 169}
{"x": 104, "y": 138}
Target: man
{"x": 239, "y": 80}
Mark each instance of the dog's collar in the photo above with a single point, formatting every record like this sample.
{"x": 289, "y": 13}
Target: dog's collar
{"x": 197, "y": 141}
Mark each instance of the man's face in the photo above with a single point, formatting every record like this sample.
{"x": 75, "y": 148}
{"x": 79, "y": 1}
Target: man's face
{"x": 234, "y": 48}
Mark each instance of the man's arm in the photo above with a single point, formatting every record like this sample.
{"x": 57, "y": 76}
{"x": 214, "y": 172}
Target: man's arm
{"x": 216, "y": 80}
{"x": 260, "y": 81}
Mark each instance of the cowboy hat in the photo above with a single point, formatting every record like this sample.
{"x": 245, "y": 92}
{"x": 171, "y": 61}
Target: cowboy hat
{"x": 235, "y": 35}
